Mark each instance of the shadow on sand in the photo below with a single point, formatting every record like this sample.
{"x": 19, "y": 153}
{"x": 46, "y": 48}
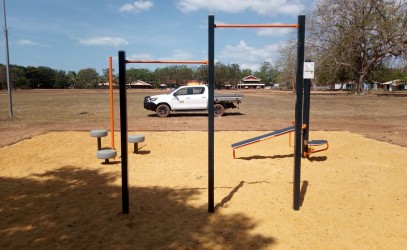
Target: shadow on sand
{"x": 81, "y": 209}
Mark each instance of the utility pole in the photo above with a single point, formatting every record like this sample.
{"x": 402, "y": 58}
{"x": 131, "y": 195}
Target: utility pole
{"x": 10, "y": 103}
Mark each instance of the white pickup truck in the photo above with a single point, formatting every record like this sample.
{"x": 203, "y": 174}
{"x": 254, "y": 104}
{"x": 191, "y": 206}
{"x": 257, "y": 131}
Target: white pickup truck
{"x": 190, "y": 98}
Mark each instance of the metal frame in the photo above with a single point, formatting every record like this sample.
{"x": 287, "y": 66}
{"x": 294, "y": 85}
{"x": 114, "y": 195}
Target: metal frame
{"x": 123, "y": 117}
{"x": 298, "y": 144}
{"x": 211, "y": 87}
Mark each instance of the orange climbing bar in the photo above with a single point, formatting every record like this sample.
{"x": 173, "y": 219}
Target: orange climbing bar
{"x": 167, "y": 61}
{"x": 256, "y": 25}
{"x": 111, "y": 101}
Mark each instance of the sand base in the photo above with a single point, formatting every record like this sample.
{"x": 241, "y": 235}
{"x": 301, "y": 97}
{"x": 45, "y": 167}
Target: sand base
{"x": 55, "y": 194}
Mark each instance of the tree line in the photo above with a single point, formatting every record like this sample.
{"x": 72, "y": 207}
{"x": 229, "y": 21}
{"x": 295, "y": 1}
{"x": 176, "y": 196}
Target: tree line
{"x": 47, "y": 78}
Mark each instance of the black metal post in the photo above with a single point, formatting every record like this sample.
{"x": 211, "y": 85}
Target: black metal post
{"x": 211, "y": 133}
{"x": 306, "y": 113}
{"x": 298, "y": 113}
{"x": 123, "y": 131}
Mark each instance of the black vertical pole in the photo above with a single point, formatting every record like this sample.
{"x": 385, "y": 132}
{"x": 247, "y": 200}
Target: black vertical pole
{"x": 123, "y": 131}
{"x": 211, "y": 83}
{"x": 298, "y": 113}
{"x": 306, "y": 112}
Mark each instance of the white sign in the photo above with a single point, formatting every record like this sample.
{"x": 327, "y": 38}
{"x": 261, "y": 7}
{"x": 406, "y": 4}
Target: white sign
{"x": 309, "y": 70}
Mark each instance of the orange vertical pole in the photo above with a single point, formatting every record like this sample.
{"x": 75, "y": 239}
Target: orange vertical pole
{"x": 111, "y": 101}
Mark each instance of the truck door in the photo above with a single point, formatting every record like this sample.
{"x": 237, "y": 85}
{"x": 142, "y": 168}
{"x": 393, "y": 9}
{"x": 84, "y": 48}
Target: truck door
{"x": 198, "y": 97}
{"x": 179, "y": 100}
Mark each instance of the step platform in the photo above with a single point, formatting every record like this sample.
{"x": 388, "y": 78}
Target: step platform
{"x": 106, "y": 154}
{"x": 314, "y": 146}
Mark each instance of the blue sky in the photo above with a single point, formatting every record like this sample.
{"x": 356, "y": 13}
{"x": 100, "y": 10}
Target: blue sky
{"x": 73, "y": 35}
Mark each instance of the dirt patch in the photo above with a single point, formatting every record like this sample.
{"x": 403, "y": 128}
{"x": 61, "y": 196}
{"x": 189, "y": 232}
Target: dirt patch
{"x": 55, "y": 194}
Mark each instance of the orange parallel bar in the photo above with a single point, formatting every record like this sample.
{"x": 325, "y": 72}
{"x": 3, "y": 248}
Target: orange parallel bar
{"x": 167, "y": 61}
{"x": 111, "y": 101}
{"x": 256, "y": 25}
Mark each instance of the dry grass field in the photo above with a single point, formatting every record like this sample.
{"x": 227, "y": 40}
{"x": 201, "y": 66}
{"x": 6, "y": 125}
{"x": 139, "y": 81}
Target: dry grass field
{"x": 55, "y": 194}
{"x": 383, "y": 117}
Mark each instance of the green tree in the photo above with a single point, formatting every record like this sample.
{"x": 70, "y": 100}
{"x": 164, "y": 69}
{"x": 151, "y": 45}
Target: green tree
{"x": 61, "y": 80}
{"x": 72, "y": 79}
{"x": 17, "y": 77}
{"x": 201, "y": 73}
{"x": 87, "y": 78}
{"x": 267, "y": 73}
{"x": 234, "y": 74}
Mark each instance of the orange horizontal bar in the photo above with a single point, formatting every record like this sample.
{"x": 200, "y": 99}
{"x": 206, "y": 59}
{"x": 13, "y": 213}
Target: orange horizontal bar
{"x": 167, "y": 61}
{"x": 256, "y": 25}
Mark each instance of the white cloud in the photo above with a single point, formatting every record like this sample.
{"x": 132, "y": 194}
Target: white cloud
{"x": 179, "y": 55}
{"x": 141, "y": 56}
{"x": 25, "y": 42}
{"x": 262, "y": 7}
{"x": 137, "y": 6}
{"x": 176, "y": 55}
{"x": 247, "y": 56}
{"x": 103, "y": 41}
{"x": 127, "y": 7}
{"x": 274, "y": 32}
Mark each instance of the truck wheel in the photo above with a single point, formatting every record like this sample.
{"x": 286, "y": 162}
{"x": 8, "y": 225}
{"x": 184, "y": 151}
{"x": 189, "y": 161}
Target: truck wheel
{"x": 219, "y": 110}
{"x": 163, "y": 110}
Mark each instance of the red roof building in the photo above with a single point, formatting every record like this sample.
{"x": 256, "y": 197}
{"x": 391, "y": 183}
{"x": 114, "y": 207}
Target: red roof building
{"x": 251, "y": 82}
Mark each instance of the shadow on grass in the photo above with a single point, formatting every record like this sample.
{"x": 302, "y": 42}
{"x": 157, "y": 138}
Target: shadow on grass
{"x": 75, "y": 208}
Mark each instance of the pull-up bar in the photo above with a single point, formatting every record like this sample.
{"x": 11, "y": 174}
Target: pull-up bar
{"x": 123, "y": 117}
{"x": 167, "y": 61}
{"x": 256, "y": 26}
{"x": 300, "y": 26}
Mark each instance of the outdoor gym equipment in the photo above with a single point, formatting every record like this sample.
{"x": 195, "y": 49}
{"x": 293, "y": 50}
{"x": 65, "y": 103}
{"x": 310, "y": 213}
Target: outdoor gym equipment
{"x": 107, "y": 153}
{"x": 136, "y": 139}
{"x": 308, "y": 147}
{"x": 102, "y": 153}
{"x": 123, "y": 119}
{"x": 261, "y": 138}
{"x": 300, "y": 26}
{"x": 299, "y": 119}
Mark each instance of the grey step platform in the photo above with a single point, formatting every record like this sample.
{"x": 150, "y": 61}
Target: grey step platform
{"x": 99, "y": 133}
{"x": 316, "y": 142}
{"x": 135, "y": 139}
{"x": 106, "y": 154}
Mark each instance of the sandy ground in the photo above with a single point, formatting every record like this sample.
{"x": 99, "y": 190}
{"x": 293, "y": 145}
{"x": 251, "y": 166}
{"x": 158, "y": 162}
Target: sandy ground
{"x": 55, "y": 194}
